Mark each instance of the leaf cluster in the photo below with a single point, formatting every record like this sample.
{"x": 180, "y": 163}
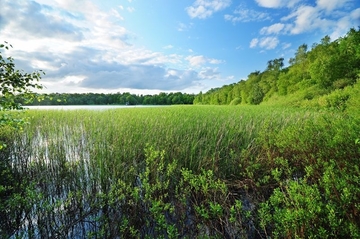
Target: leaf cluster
{"x": 15, "y": 82}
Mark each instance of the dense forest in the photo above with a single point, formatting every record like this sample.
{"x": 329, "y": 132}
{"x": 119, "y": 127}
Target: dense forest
{"x": 111, "y": 99}
{"x": 324, "y": 75}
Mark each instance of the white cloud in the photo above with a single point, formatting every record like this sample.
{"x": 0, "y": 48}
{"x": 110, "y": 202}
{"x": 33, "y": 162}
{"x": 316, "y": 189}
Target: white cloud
{"x": 209, "y": 73}
{"x": 215, "y": 61}
{"x": 205, "y": 8}
{"x": 85, "y": 49}
{"x": 286, "y": 45}
{"x": 254, "y": 42}
{"x": 116, "y": 14}
{"x": 330, "y": 5}
{"x": 329, "y": 16}
{"x": 181, "y": 27}
{"x": 273, "y": 29}
{"x": 277, "y": 3}
{"x": 242, "y": 14}
{"x": 355, "y": 15}
{"x": 199, "y": 60}
{"x": 199, "y": 12}
{"x": 269, "y": 42}
{"x": 184, "y": 27}
{"x": 343, "y": 25}
{"x": 265, "y": 42}
{"x": 196, "y": 60}
{"x": 270, "y": 3}
{"x": 308, "y": 18}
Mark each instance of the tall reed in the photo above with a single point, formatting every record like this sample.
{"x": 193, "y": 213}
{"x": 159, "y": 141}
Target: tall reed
{"x": 83, "y": 170}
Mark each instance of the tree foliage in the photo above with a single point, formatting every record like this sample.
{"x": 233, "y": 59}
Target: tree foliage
{"x": 14, "y": 85}
{"x": 326, "y": 67}
{"x": 124, "y": 98}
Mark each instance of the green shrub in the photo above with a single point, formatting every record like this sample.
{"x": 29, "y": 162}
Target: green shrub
{"x": 327, "y": 209}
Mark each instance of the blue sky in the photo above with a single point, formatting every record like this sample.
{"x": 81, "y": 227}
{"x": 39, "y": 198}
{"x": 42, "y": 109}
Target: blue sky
{"x": 152, "y": 46}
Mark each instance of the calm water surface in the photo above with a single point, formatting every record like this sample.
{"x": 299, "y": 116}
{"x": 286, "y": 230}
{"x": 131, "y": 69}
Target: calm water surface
{"x": 88, "y": 107}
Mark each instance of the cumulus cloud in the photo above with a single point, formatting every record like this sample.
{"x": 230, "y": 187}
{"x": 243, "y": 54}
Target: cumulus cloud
{"x": 83, "y": 69}
{"x": 196, "y": 60}
{"x": 277, "y": 3}
{"x": 328, "y": 16}
{"x": 82, "y": 47}
{"x": 209, "y": 73}
{"x": 242, "y": 14}
{"x": 201, "y": 60}
{"x": 342, "y": 26}
{"x": 330, "y": 5}
{"x": 285, "y": 45}
{"x": 265, "y": 42}
{"x": 273, "y": 29}
{"x": 214, "y": 61}
{"x": 205, "y": 8}
{"x": 254, "y": 42}
{"x": 331, "y": 17}
{"x": 168, "y": 47}
{"x": 269, "y": 3}
{"x": 184, "y": 27}
{"x": 139, "y": 77}
{"x": 269, "y": 42}
{"x": 35, "y": 20}
{"x": 307, "y": 18}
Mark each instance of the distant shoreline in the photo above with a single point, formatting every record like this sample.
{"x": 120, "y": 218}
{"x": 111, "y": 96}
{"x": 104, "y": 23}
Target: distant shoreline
{"x": 87, "y": 107}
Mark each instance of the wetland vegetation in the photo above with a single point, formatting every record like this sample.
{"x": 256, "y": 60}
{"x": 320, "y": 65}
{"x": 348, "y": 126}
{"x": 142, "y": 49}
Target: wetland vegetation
{"x": 182, "y": 172}
{"x": 285, "y": 168}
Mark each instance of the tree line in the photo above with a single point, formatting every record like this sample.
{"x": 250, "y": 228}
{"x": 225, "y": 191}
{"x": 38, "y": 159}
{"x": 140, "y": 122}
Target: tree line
{"x": 110, "y": 99}
{"x": 326, "y": 67}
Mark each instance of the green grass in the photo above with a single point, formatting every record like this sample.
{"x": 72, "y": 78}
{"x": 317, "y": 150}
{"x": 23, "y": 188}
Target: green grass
{"x": 107, "y": 172}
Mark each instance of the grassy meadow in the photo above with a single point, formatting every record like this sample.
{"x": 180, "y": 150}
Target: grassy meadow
{"x": 184, "y": 172}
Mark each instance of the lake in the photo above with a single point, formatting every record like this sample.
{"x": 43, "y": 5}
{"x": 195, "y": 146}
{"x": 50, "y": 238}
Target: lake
{"x": 88, "y": 107}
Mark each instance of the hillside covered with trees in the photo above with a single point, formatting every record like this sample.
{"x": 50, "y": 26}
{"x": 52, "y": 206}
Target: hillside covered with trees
{"x": 327, "y": 75}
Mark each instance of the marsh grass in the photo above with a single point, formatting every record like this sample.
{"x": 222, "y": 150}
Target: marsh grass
{"x": 177, "y": 171}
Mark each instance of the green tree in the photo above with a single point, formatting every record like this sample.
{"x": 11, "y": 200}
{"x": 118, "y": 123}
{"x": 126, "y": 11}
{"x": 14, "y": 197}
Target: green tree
{"x": 300, "y": 55}
{"x": 270, "y": 76}
{"x": 199, "y": 98}
{"x": 253, "y": 91}
{"x": 256, "y": 95}
{"x": 14, "y": 84}
{"x": 321, "y": 58}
